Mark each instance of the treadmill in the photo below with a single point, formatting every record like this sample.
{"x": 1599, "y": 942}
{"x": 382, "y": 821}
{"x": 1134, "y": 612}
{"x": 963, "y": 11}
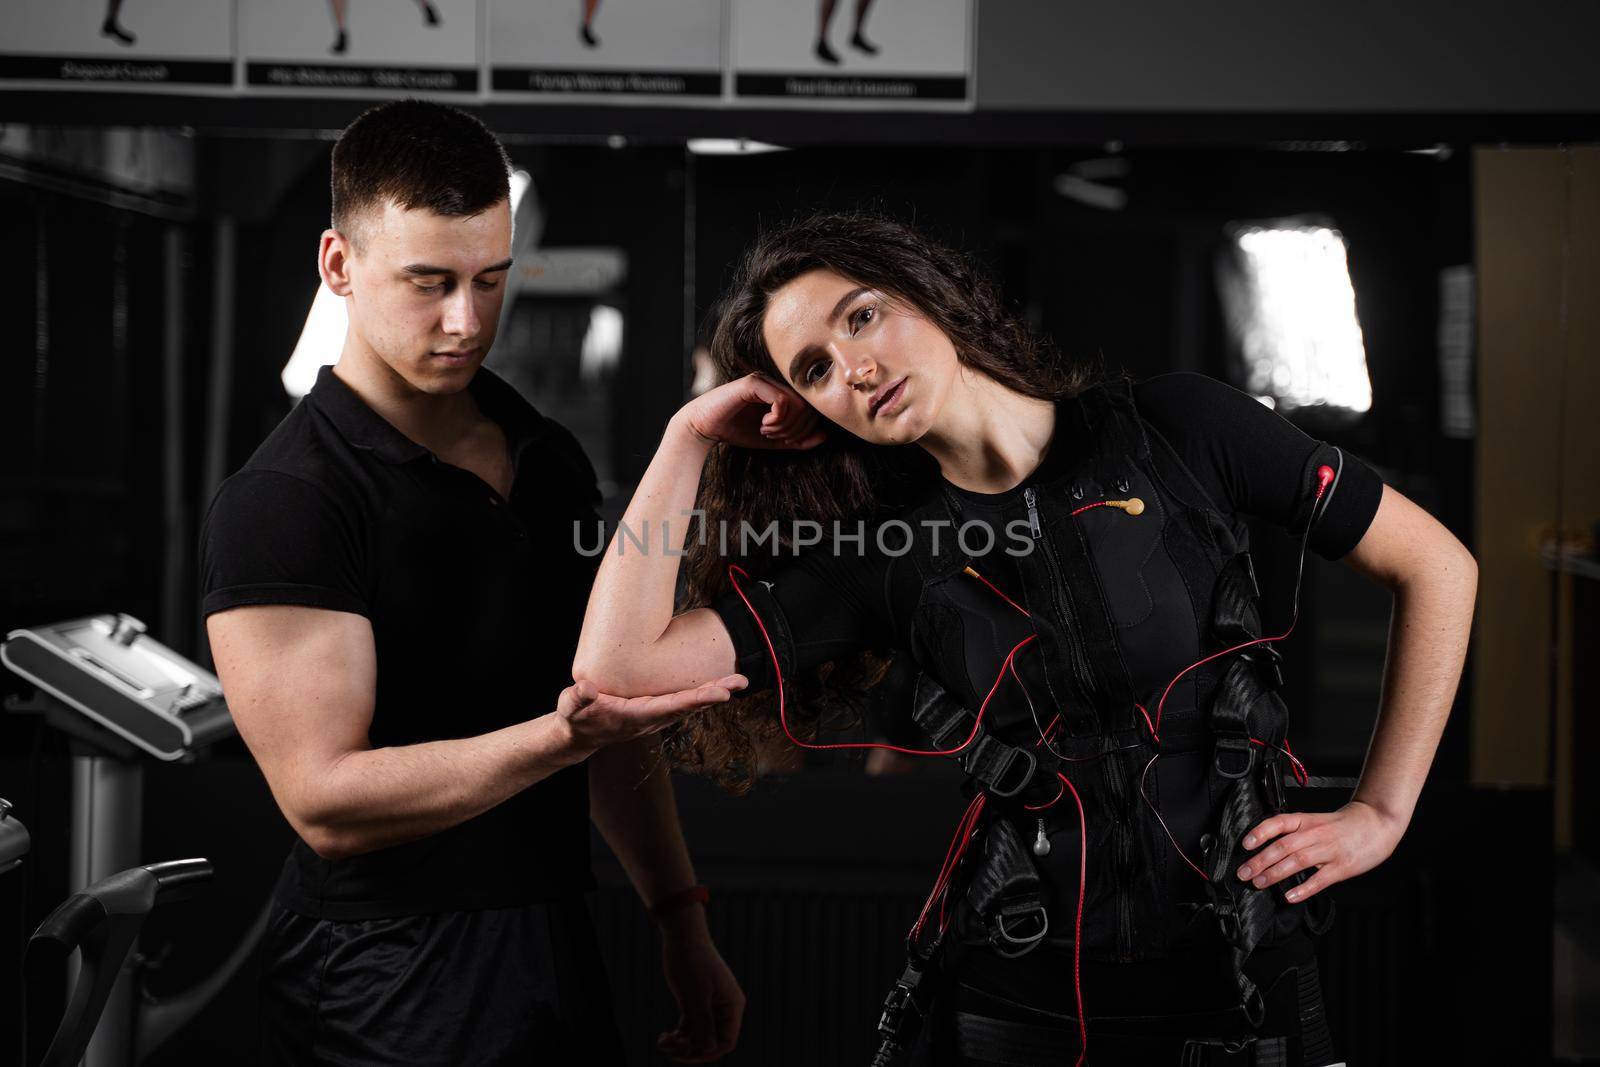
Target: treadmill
{"x": 123, "y": 698}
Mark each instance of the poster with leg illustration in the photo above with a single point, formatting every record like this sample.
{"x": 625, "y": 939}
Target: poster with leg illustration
{"x": 406, "y": 46}
{"x": 149, "y": 43}
{"x": 659, "y": 48}
{"x": 876, "y": 52}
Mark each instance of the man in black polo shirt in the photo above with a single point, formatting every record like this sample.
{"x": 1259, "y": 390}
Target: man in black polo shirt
{"x": 393, "y": 597}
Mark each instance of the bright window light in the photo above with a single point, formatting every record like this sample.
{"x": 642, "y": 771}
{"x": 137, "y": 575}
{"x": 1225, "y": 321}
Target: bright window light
{"x": 520, "y": 180}
{"x": 322, "y": 337}
{"x": 602, "y": 344}
{"x": 1292, "y": 312}
{"x": 730, "y": 146}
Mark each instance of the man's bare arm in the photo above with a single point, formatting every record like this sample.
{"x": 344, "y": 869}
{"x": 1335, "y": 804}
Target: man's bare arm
{"x": 301, "y": 684}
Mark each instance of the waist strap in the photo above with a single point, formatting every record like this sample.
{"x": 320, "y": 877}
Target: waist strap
{"x": 983, "y": 1041}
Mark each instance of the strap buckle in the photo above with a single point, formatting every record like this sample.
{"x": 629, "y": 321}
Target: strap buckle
{"x": 1005, "y": 770}
{"x": 893, "y": 1024}
{"x": 1250, "y": 576}
{"x": 1234, "y": 757}
{"x": 1011, "y": 934}
{"x": 1228, "y": 921}
{"x": 1274, "y": 786}
{"x": 894, "y": 1007}
{"x": 1267, "y": 658}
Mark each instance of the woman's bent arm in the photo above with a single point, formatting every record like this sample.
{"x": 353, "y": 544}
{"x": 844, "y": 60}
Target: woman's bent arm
{"x": 631, "y": 643}
{"x": 1434, "y": 580}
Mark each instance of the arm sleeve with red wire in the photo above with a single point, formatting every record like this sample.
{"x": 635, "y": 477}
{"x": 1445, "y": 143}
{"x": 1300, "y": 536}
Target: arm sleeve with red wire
{"x": 1251, "y": 460}
{"x": 830, "y": 602}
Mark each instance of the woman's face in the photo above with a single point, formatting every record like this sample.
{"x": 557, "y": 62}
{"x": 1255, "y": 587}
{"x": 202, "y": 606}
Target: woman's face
{"x": 874, "y": 366}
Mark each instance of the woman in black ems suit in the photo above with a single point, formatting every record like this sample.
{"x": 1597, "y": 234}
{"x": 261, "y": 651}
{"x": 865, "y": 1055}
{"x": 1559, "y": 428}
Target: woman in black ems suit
{"x": 1066, "y": 564}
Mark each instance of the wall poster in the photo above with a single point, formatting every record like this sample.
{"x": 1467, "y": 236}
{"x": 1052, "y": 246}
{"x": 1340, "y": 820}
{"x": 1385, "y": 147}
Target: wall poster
{"x": 863, "y": 51}
{"x": 401, "y": 46}
{"x": 661, "y": 48}
{"x": 137, "y": 42}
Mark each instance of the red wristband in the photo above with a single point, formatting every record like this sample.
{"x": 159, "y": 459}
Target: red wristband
{"x": 683, "y": 898}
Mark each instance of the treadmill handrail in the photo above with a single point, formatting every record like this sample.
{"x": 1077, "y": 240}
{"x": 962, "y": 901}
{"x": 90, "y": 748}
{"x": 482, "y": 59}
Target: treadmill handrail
{"x": 102, "y": 922}
{"x": 14, "y": 839}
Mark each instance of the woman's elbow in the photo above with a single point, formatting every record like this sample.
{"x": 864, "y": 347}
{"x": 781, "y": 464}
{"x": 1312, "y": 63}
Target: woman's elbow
{"x": 606, "y": 672}
{"x": 601, "y": 656}
{"x": 1469, "y": 578}
{"x": 1458, "y": 565}
{"x": 1447, "y": 569}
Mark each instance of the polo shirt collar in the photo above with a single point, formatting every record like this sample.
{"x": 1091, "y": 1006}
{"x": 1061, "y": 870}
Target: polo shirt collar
{"x": 500, "y": 401}
{"x": 365, "y": 429}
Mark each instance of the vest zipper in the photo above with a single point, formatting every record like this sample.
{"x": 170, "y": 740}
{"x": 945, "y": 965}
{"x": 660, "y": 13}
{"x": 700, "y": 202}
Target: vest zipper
{"x": 1116, "y": 783}
{"x": 1030, "y": 497}
{"x": 1064, "y": 609}
{"x": 1122, "y": 853}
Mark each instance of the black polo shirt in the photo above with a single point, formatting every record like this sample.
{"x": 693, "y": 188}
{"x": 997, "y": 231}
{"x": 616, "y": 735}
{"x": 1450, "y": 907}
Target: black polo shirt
{"x": 475, "y": 603}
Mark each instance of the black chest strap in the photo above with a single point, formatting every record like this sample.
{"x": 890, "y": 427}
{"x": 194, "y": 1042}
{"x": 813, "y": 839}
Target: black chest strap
{"x": 1003, "y": 770}
{"x": 1003, "y": 887}
{"x": 1245, "y": 708}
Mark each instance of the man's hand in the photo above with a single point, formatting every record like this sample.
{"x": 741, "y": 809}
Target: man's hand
{"x": 1339, "y": 845}
{"x": 598, "y": 720}
{"x": 710, "y": 1002}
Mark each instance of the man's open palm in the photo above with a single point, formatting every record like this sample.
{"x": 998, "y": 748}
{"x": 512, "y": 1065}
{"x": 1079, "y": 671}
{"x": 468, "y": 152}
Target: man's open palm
{"x": 599, "y": 719}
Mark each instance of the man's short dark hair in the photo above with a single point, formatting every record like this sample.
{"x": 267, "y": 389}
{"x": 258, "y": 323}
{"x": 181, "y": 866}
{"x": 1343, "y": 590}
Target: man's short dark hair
{"x": 417, "y": 154}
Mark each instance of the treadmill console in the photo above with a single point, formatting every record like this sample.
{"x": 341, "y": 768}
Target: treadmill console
{"x": 108, "y": 669}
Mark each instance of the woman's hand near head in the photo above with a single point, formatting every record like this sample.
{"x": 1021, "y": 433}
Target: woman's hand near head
{"x": 752, "y": 412}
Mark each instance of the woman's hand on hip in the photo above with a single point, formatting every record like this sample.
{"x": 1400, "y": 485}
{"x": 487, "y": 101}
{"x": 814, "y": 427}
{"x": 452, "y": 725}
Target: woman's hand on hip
{"x": 1337, "y": 845}
{"x": 752, "y": 412}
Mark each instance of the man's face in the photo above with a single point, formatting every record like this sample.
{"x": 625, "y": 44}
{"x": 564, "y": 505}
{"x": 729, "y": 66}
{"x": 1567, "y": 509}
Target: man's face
{"x": 424, "y": 291}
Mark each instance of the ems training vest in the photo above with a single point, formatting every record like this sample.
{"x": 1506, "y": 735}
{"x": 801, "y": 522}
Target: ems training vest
{"x": 1118, "y": 604}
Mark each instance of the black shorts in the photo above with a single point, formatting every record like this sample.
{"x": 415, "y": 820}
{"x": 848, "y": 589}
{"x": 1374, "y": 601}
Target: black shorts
{"x": 502, "y": 986}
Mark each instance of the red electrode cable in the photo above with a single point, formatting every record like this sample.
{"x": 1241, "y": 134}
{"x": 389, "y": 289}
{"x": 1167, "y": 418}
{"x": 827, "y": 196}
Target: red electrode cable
{"x": 1325, "y": 477}
{"x": 783, "y": 715}
{"x": 967, "y": 827}
{"x": 1077, "y": 922}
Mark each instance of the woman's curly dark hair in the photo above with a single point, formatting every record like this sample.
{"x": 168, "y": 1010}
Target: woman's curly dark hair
{"x": 845, "y": 478}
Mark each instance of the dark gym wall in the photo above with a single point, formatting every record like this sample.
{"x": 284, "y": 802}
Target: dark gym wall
{"x": 632, "y": 198}
{"x": 82, "y": 528}
{"x": 1256, "y": 55}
